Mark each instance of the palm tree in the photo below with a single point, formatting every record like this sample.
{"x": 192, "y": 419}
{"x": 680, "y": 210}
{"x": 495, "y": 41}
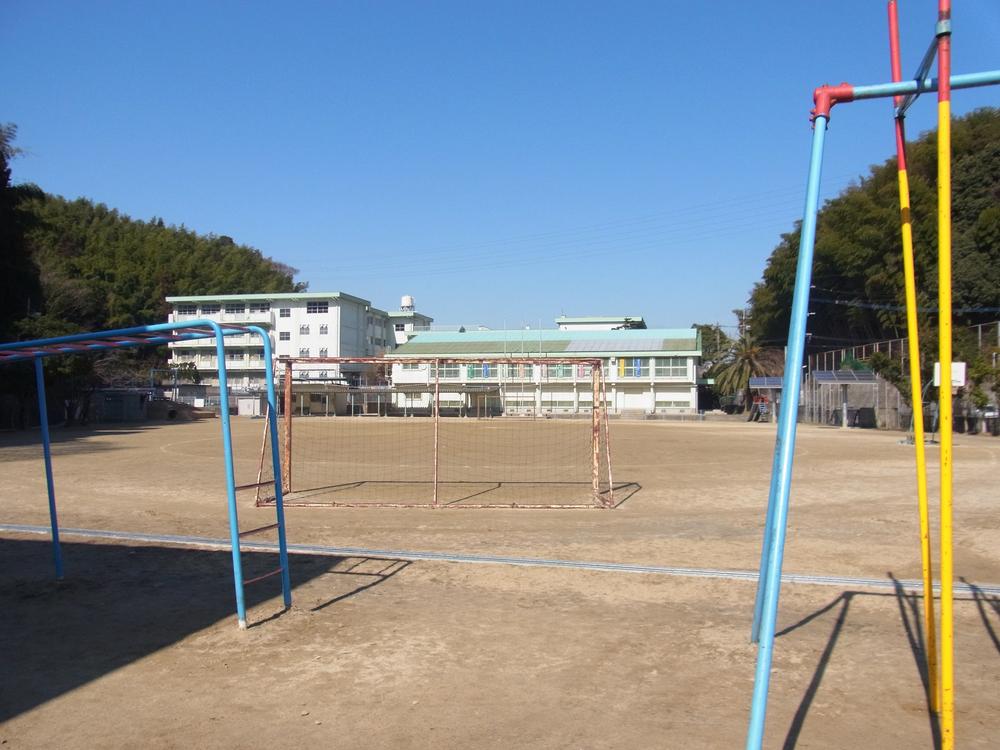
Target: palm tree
{"x": 746, "y": 359}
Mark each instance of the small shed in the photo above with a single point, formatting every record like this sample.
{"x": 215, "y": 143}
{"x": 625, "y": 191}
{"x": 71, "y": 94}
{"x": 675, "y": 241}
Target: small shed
{"x": 846, "y": 379}
{"x": 765, "y": 404}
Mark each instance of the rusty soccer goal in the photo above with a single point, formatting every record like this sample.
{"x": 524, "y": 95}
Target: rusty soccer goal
{"x": 445, "y": 433}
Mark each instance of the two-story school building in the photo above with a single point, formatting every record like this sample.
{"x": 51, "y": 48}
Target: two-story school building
{"x": 646, "y": 371}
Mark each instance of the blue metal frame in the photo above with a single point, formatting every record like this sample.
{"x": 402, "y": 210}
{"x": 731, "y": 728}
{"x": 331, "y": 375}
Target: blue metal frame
{"x": 775, "y": 522}
{"x": 161, "y": 333}
{"x": 784, "y": 448}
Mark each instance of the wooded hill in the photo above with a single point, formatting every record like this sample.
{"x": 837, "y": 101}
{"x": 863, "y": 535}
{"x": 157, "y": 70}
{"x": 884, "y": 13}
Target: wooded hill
{"x": 858, "y": 292}
{"x": 79, "y": 265}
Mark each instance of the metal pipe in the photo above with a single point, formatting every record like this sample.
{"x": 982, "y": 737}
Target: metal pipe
{"x": 595, "y": 436}
{"x": 988, "y": 589}
{"x": 279, "y": 499}
{"x": 437, "y": 424}
{"x": 964, "y": 81}
{"x": 916, "y": 388}
{"x": 785, "y": 443}
{"x": 945, "y": 355}
{"x": 116, "y": 338}
{"x": 765, "y": 549}
{"x": 289, "y": 407}
{"x": 227, "y": 452}
{"x": 825, "y": 97}
{"x": 43, "y": 418}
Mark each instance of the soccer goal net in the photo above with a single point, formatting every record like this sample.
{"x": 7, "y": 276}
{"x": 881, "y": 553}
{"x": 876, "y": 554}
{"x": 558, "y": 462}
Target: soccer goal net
{"x": 444, "y": 433}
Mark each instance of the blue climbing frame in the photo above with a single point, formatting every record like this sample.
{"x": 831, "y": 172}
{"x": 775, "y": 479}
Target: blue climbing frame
{"x": 153, "y": 335}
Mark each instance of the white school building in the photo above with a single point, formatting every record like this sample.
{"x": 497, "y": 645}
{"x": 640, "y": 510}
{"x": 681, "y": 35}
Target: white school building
{"x": 646, "y": 371}
{"x": 306, "y": 324}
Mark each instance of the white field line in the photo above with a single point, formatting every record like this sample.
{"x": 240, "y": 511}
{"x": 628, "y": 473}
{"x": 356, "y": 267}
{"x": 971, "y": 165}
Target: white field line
{"x": 537, "y": 562}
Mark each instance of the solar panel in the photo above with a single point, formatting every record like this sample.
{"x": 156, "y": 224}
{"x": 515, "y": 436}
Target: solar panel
{"x": 766, "y": 382}
{"x": 844, "y": 377}
{"x": 623, "y": 345}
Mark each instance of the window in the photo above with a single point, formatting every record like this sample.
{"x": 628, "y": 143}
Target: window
{"x": 235, "y": 356}
{"x": 303, "y": 352}
{"x": 322, "y": 352}
{"x": 519, "y": 372}
{"x": 633, "y": 367}
{"x": 284, "y": 336}
{"x": 322, "y": 374}
{"x": 304, "y": 330}
{"x": 400, "y": 327}
{"x": 481, "y": 370}
{"x": 317, "y": 307}
{"x": 671, "y": 367}
{"x": 284, "y": 312}
{"x": 324, "y": 329}
{"x": 260, "y": 307}
{"x": 235, "y": 307}
{"x": 257, "y": 355}
{"x": 562, "y": 404}
{"x": 187, "y": 309}
{"x": 211, "y": 309}
{"x": 447, "y": 371}
{"x": 412, "y": 366}
{"x": 668, "y": 404}
{"x": 560, "y": 371}
{"x": 204, "y": 356}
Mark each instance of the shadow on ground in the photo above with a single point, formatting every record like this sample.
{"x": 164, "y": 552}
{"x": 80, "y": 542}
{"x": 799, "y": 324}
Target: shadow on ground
{"x": 121, "y": 603}
{"x": 912, "y": 618}
{"x": 26, "y": 445}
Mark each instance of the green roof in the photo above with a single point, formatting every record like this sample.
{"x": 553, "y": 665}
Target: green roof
{"x": 651, "y": 342}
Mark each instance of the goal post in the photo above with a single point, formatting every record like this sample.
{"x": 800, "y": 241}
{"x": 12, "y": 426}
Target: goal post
{"x": 441, "y": 432}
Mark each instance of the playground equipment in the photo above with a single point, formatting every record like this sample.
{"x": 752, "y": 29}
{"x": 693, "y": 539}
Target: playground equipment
{"x": 153, "y": 335}
{"x": 766, "y": 604}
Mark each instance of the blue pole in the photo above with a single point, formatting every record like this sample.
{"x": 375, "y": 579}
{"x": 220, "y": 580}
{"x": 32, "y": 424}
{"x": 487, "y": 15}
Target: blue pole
{"x": 903, "y": 88}
{"x": 98, "y": 340}
{"x": 227, "y": 448}
{"x": 279, "y": 498}
{"x": 786, "y": 439}
{"x": 43, "y": 417}
{"x": 765, "y": 550}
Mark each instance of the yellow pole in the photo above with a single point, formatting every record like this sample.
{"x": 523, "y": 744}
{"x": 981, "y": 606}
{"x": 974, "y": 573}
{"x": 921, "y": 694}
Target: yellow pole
{"x": 916, "y": 387}
{"x": 944, "y": 391}
{"x": 916, "y": 397}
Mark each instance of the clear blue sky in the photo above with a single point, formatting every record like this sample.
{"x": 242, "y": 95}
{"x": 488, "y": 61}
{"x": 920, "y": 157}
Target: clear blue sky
{"x": 503, "y": 162}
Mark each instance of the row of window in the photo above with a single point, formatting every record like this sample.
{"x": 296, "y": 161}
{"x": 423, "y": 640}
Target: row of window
{"x": 664, "y": 367}
{"x": 235, "y": 308}
{"x": 304, "y": 330}
{"x": 208, "y": 356}
{"x": 632, "y": 367}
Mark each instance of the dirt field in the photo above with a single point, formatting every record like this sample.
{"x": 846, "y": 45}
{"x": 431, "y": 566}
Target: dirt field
{"x": 139, "y": 646}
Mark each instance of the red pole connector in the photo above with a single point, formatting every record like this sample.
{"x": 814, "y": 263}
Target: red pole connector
{"x": 826, "y": 96}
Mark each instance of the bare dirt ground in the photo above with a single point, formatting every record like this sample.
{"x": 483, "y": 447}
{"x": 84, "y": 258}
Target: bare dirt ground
{"x": 139, "y": 646}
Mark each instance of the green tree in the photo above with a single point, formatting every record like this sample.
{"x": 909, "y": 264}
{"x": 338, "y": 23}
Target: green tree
{"x": 858, "y": 291}
{"x": 745, "y": 359}
{"x": 20, "y": 291}
{"x": 715, "y": 343}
